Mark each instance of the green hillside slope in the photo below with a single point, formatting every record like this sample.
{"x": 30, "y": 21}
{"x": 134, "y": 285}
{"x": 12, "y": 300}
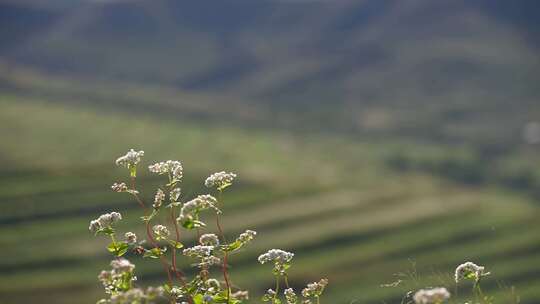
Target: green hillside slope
{"x": 361, "y": 66}
{"x": 332, "y": 200}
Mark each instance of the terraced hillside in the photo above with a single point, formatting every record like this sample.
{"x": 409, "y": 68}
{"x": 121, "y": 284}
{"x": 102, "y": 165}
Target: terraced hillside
{"x": 331, "y": 199}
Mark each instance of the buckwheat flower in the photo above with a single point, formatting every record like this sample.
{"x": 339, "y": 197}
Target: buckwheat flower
{"x": 94, "y": 226}
{"x": 105, "y": 276}
{"x": 131, "y": 238}
{"x": 134, "y": 295}
{"x": 158, "y": 199}
{"x": 177, "y": 292}
{"x": 198, "y": 251}
{"x": 469, "y": 270}
{"x": 119, "y": 187}
{"x": 154, "y": 292}
{"x": 269, "y": 295}
{"x": 241, "y": 295}
{"x": 276, "y": 255}
{"x": 115, "y": 217}
{"x": 221, "y": 180}
{"x": 173, "y": 167}
{"x": 209, "y": 239}
{"x": 201, "y": 202}
{"x": 122, "y": 265}
{"x": 210, "y": 261}
{"x": 247, "y": 236}
{"x": 290, "y": 296}
{"x": 431, "y": 296}
{"x": 314, "y": 289}
{"x": 161, "y": 231}
{"x": 130, "y": 159}
{"x": 213, "y": 285}
{"x": 279, "y": 257}
{"x": 174, "y": 195}
{"x": 104, "y": 221}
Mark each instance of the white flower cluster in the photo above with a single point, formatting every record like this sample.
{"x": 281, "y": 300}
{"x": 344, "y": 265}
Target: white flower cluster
{"x": 119, "y": 187}
{"x": 131, "y": 238}
{"x": 269, "y": 295}
{"x": 198, "y": 251}
{"x": 121, "y": 268}
{"x": 209, "y": 239}
{"x": 135, "y": 295}
{"x": 173, "y": 167}
{"x": 431, "y": 296}
{"x": 240, "y": 295}
{"x": 177, "y": 292}
{"x": 469, "y": 270}
{"x": 220, "y": 180}
{"x": 203, "y": 252}
{"x": 161, "y": 231}
{"x": 277, "y": 256}
{"x": 131, "y": 159}
{"x": 158, "y": 199}
{"x": 104, "y": 221}
{"x": 197, "y": 204}
{"x": 212, "y": 286}
{"x": 290, "y": 296}
{"x": 122, "y": 265}
{"x": 154, "y": 292}
{"x": 246, "y": 236}
{"x": 314, "y": 289}
{"x": 213, "y": 283}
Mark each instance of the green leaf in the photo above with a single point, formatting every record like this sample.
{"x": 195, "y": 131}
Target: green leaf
{"x": 133, "y": 171}
{"x": 222, "y": 187}
{"x": 122, "y": 249}
{"x": 232, "y": 246}
{"x": 118, "y": 249}
{"x": 167, "y": 288}
{"x": 176, "y": 244}
{"x": 198, "y": 299}
{"x": 222, "y": 298}
{"x": 154, "y": 253}
{"x": 189, "y": 223}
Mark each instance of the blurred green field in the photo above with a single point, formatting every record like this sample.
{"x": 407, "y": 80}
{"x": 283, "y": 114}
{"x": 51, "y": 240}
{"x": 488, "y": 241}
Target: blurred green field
{"x": 338, "y": 202}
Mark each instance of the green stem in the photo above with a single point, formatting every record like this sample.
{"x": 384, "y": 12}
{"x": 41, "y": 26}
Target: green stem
{"x": 318, "y": 301}
{"x": 481, "y": 294}
{"x": 113, "y": 239}
{"x": 286, "y": 278}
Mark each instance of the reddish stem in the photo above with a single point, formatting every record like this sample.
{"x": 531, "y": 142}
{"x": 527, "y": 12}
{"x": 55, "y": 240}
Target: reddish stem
{"x": 148, "y": 231}
{"x": 225, "y": 258}
{"x": 137, "y": 198}
{"x": 162, "y": 259}
{"x": 179, "y": 274}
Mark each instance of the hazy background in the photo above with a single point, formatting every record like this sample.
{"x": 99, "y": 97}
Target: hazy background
{"x": 373, "y": 138}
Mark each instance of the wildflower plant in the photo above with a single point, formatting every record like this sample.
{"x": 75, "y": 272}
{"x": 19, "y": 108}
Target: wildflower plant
{"x": 163, "y": 243}
{"x": 438, "y": 295}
